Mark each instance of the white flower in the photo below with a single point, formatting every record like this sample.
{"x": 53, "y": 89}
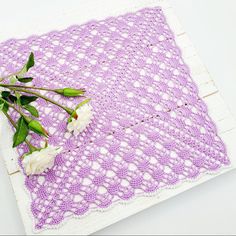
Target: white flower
{"x": 85, "y": 115}
{"x": 39, "y": 161}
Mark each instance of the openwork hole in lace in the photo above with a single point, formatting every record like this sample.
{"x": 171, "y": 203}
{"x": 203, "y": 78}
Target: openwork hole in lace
{"x": 151, "y": 130}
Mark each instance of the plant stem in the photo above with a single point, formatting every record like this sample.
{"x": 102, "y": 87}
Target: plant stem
{"x": 26, "y": 87}
{"x": 13, "y": 74}
{"x": 32, "y": 87}
{"x": 31, "y": 147}
{"x": 67, "y": 109}
{"x": 13, "y": 107}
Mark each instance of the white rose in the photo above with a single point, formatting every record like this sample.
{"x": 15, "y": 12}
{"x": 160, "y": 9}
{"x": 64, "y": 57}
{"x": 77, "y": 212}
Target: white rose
{"x": 85, "y": 115}
{"x": 39, "y": 161}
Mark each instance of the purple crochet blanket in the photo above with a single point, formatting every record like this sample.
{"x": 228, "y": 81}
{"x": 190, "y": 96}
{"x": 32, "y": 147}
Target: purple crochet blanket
{"x": 150, "y": 130}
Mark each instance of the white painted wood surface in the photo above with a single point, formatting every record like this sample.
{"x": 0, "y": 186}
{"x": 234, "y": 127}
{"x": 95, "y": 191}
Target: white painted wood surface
{"x": 217, "y": 109}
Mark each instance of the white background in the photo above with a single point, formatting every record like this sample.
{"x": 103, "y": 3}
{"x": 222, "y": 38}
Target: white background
{"x": 206, "y": 209}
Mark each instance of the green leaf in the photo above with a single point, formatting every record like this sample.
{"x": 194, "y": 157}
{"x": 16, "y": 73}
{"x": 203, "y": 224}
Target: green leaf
{"x": 83, "y": 103}
{"x": 5, "y": 94}
{"x": 25, "y": 79}
{"x": 18, "y": 95}
{"x": 74, "y": 115}
{"x": 28, "y": 65}
{"x": 13, "y": 79}
{"x": 25, "y": 100}
{"x": 13, "y": 98}
{"x": 36, "y": 126}
{"x": 21, "y": 133}
{"x": 30, "y": 62}
{"x": 3, "y": 106}
{"x": 33, "y": 111}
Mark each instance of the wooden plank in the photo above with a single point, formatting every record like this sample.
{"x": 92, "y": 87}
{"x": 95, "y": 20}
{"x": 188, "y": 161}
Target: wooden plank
{"x": 9, "y": 154}
{"x": 183, "y": 41}
{"x": 216, "y": 107}
{"x": 207, "y": 90}
{"x": 229, "y": 138}
{"x": 173, "y": 21}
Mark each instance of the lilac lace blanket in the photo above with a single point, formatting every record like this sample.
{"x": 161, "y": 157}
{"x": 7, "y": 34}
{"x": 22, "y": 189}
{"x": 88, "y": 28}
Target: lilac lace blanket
{"x": 150, "y": 131}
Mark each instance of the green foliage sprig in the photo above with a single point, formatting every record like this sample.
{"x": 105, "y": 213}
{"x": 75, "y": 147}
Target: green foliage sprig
{"x": 18, "y": 96}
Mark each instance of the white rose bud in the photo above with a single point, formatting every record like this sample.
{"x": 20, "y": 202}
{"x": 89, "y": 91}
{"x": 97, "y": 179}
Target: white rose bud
{"x": 84, "y": 116}
{"x": 39, "y": 161}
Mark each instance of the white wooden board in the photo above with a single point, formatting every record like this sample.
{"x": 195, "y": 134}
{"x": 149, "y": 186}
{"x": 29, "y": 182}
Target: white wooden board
{"x": 217, "y": 109}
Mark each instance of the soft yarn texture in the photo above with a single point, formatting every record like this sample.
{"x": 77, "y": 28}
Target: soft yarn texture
{"x": 150, "y": 130}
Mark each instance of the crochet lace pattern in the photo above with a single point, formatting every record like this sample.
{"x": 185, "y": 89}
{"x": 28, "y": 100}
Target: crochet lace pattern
{"x": 150, "y": 131}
